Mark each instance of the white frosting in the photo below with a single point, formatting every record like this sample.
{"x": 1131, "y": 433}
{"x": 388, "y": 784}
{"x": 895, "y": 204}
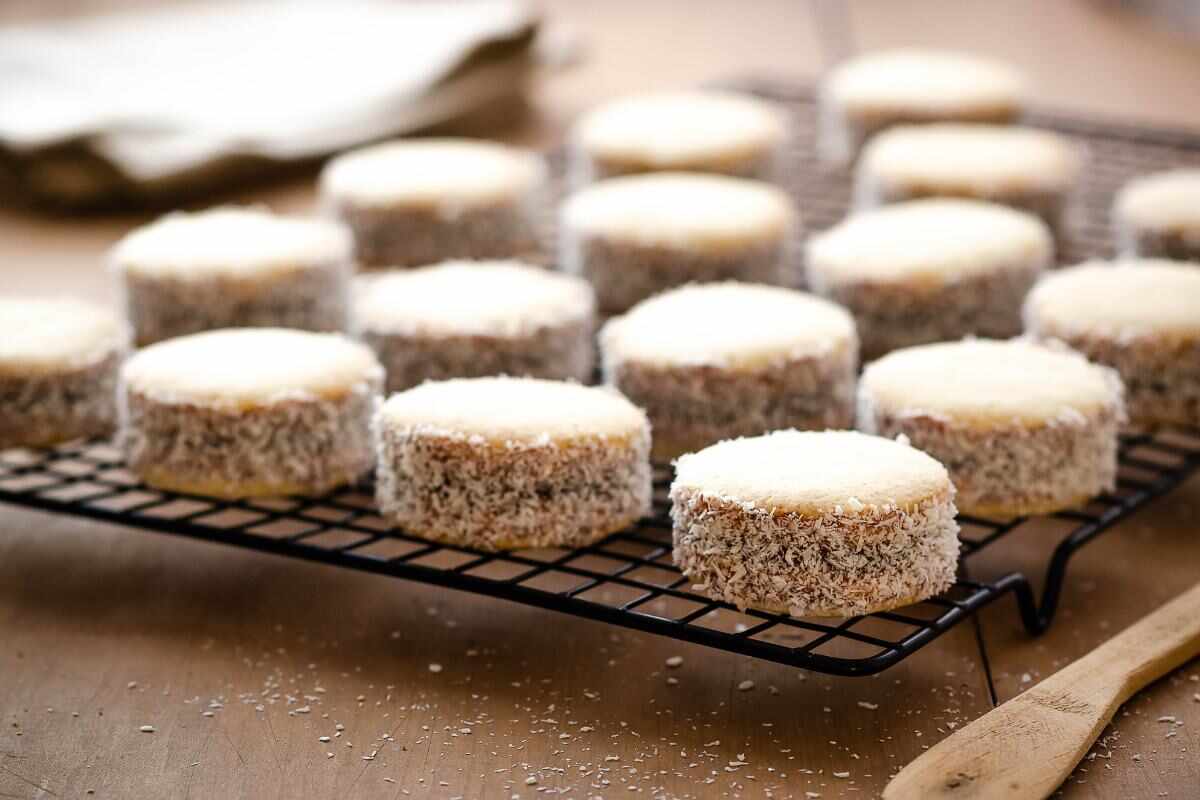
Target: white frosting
{"x": 462, "y": 298}
{"x": 42, "y": 334}
{"x": 979, "y": 159}
{"x": 734, "y": 325}
{"x": 675, "y": 130}
{"x": 681, "y": 210}
{"x": 433, "y": 172}
{"x": 928, "y": 241}
{"x": 1162, "y": 201}
{"x": 251, "y": 367}
{"x": 514, "y": 411}
{"x": 230, "y": 241}
{"x": 1147, "y": 297}
{"x": 986, "y": 382}
{"x": 814, "y": 472}
{"x": 924, "y": 83}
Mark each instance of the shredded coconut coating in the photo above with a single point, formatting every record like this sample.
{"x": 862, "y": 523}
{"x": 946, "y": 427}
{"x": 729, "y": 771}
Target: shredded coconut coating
{"x": 626, "y": 273}
{"x": 561, "y": 352}
{"x": 293, "y": 447}
{"x": 893, "y": 314}
{"x": 314, "y": 297}
{"x": 1017, "y": 469}
{"x": 1140, "y": 318}
{"x": 492, "y": 495}
{"x": 815, "y": 524}
{"x": 715, "y": 132}
{"x": 717, "y": 361}
{"x": 879, "y": 90}
{"x": 403, "y": 236}
{"x": 42, "y": 408}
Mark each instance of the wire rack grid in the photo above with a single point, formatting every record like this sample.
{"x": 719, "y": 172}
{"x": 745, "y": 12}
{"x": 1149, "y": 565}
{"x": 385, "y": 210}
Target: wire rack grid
{"x": 628, "y": 579}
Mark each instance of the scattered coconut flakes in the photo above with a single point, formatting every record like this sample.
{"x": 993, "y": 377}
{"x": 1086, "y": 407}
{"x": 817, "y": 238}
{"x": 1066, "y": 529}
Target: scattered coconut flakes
{"x": 147, "y": 729}
{"x": 323, "y": 739}
{"x": 867, "y": 706}
{"x": 745, "y": 686}
{"x": 531, "y": 781}
{"x": 841, "y": 774}
{"x": 675, "y": 661}
{"x": 435, "y": 667}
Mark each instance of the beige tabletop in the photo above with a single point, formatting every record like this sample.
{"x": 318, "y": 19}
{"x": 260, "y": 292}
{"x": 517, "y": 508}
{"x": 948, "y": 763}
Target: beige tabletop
{"x": 242, "y": 663}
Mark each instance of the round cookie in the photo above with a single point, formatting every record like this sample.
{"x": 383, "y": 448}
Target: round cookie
{"x": 421, "y": 201}
{"x": 825, "y": 524}
{"x": 930, "y": 270}
{"x": 635, "y": 236}
{"x": 697, "y": 131}
{"x": 717, "y": 361}
{"x": 471, "y": 319}
{"x": 58, "y": 369}
{"x": 908, "y": 86}
{"x": 511, "y": 463}
{"x": 1022, "y": 428}
{"x": 233, "y": 268}
{"x": 250, "y": 412}
{"x": 1158, "y": 216}
{"x": 1142, "y": 318}
{"x": 1030, "y": 170}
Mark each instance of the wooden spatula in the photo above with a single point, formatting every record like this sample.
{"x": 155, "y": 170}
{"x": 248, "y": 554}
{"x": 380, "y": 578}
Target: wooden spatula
{"x": 1028, "y": 746}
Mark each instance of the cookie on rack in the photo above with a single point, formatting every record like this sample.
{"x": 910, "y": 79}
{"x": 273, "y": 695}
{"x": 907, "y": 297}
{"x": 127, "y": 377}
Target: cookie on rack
{"x": 58, "y": 370}
{"x": 635, "y": 236}
{"x": 874, "y": 91}
{"x": 250, "y": 412}
{"x": 930, "y": 270}
{"x": 233, "y": 267}
{"x": 694, "y": 131}
{"x": 824, "y": 524}
{"x": 716, "y": 361}
{"x": 1023, "y": 428}
{"x": 421, "y": 201}
{"x": 1158, "y": 216}
{"x": 469, "y": 319}
{"x": 1031, "y": 170}
{"x": 1142, "y": 318}
{"x": 509, "y": 463}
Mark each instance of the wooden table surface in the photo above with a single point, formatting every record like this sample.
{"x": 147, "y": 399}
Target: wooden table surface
{"x": 242, "y": 662}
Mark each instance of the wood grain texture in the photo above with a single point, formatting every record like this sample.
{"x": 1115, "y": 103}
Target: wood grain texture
{"x": 1029, "y": 745}
{"x": 86, "y": 609}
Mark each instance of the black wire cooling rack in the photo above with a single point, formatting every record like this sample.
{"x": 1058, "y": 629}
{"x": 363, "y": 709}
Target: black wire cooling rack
{"x": 629, "y": 579}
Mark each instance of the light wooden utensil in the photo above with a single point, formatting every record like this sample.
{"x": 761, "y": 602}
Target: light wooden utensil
{"x": 1028, "y": 746}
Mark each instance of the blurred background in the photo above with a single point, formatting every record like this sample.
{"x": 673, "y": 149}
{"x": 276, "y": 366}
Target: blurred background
{"x": 113, "y": 109}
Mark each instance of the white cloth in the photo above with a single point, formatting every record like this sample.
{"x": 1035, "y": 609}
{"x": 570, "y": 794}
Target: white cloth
{"x": 160, "y": 93}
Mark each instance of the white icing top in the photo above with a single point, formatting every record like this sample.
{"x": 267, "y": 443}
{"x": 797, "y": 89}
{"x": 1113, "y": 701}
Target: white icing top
{"x": 251, "y": 367}
{"x": 924, "y": 83}
{"x": 42, "y": 334}
{"x": 678, "y": 130}
{"x": 1147, "y": 297}
{"x": 433, "y": 172}
{"x": 987, "y": 382}
{"x": 980, "y": 159}
{"x": 230, "y": 241}
{"x": 681, "y": 210}
{"x": 1162, "y": 201}
{"x": 464, "y": 298}
{"x": 814, "y": 472}
{"x": 733, "y": 325}
{"x": 515, "y": 411}
{"x": 930, "y": 241}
